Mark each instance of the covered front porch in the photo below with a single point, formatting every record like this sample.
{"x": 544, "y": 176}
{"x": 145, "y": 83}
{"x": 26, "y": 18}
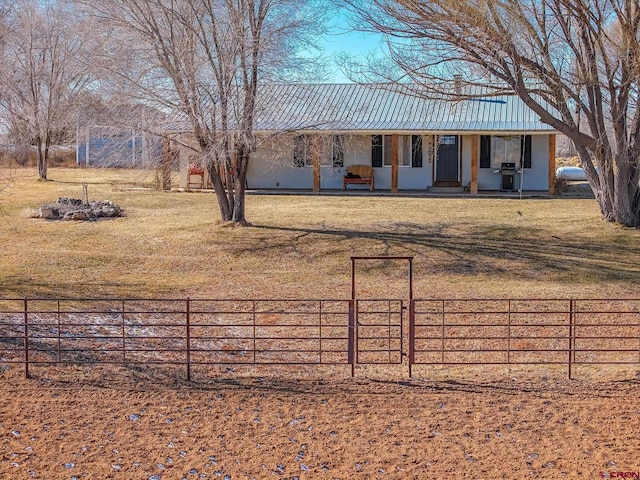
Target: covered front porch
{"x": 400, "y": 162}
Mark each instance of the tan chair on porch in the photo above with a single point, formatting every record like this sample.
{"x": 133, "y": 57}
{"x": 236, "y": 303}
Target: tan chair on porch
{"x": 359, "y": 174}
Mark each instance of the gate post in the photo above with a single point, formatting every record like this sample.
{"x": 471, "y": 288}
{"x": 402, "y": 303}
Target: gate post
{"x": 351, "y": 358}
{"x": 571, "y": 337}
{"x": 188, "y": 338}
{"x": 26, "y": 340}
{"x": 412, "y": 335}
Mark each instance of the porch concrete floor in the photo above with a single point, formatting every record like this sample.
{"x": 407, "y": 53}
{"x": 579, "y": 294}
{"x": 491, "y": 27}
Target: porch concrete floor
{"x": 574, "y": 191}
{"x": 421, "y": 193}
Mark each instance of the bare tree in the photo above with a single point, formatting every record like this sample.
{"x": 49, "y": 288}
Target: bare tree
{"x": 575, "y": 63}
{"x": 45, "y": 70}
{"x": 202, "y": 62}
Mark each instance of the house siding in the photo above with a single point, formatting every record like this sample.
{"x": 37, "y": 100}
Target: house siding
{"x": 535, "y": 178}
{"x": 272, "y": 167}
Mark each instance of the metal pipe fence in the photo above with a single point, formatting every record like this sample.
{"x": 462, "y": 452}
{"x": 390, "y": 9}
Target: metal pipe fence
{"x": 185, "y": 333}
{"x": 525, "y": 332}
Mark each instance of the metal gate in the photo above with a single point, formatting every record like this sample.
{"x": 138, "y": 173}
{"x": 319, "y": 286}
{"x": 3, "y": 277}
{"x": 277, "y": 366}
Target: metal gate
{"x": 378, "y": 325}
{"x": 379, "y": 331}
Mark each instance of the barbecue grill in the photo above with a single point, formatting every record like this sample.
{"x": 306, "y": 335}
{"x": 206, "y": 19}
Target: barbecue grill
{"x": 508, "y": 172}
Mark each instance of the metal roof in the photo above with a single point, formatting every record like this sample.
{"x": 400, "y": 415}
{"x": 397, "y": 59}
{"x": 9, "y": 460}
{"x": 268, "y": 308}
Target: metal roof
{"x": 387, "y": 107}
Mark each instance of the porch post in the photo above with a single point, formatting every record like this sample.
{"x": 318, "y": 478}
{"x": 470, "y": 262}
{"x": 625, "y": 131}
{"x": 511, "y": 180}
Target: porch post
{"x": 475, "y": 155}
{"x": 315, "y": 157}
{"x": 394, "y": 163}
{"x": 552, "y": 164}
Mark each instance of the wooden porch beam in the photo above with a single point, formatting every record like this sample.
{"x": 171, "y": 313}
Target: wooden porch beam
{"x": 475, "y": 160}
{"x": 394, "y": 163}
{"x": 552, "y": 164}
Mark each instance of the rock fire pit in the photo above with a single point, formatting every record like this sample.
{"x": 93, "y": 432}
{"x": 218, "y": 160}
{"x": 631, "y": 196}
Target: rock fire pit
{"x": 75, "y": 209}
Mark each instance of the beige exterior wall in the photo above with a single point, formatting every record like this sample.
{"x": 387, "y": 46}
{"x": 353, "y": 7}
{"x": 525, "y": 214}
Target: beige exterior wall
{"x": 272, "y": 166}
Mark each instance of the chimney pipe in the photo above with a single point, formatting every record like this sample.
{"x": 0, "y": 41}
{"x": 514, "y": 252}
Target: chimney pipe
{"x": 457, "y": 85}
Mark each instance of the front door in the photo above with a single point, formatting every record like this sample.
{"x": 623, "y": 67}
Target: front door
{"x": 448, "y": 160}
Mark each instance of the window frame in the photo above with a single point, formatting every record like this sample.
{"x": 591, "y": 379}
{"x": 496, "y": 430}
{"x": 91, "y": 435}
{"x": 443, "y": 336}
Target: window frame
{"x": 331, "y": 154}
{"x": 337, "y": 151}
{"x": 505, "y": 150}
{"x": 306, "y": 158}
{"x": 487, "y": 151}
{"x": 381, "y": 145}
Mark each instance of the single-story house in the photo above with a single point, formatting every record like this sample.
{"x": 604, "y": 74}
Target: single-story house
{"x": 309, "y": 134}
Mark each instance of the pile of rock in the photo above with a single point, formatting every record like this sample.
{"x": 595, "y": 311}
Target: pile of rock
{"x": 74, "y": 209}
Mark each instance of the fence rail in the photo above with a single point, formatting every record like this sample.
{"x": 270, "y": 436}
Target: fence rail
{"x": 175, "y": 332}
{"x": 525, "y": 332}
{"x": 191, "y": 332}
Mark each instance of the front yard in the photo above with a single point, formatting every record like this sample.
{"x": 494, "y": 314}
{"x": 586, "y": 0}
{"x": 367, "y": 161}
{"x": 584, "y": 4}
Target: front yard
{"x": 170, "y": 244}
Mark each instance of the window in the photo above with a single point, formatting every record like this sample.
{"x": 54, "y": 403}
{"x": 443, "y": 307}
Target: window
{"x": 448, "y": 140}
{"x": 505, "y": 149}
{"x": 485, "y": 151}
{"x": 302, "y": 151}
{"x": 526, "y": 152}
{"x": 416, "y": 151}
{"x": 376, "y": 151}
{"x": 496, "y": 150}
{"x": 330, "y": 150}
{"x": 409, "y": 150}
{"x": 337, "y": 151}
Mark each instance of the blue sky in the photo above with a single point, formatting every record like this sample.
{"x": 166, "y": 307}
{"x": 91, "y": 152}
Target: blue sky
{"x": 340, "y": 38}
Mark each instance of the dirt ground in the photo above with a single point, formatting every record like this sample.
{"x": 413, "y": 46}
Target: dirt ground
{"x": 75, "y": 424}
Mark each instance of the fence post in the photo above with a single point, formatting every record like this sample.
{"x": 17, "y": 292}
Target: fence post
{"x": 443, "y": 330}
{"x": 320, "y": 329}
{"x": 571, "y": 336}
{"x": 509, "y": 335}
{"x": 253, "y": 318}
{"x": 351, "y": 337}
{"x": 59, "y": 335}
{"x": 389, "y": 330}
{"x": 412, "y": 335}
{"x": 188, "y": 340}
{"x": 124, "y": 336}
{"x": 26, "y": 339}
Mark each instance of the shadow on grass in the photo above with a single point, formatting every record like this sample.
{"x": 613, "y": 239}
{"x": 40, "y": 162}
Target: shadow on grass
{"x": 501, "y": 251}
{"x": 15, "y": 286}
{"x": 518, "y": 251}
{"x": 140, "y": 379}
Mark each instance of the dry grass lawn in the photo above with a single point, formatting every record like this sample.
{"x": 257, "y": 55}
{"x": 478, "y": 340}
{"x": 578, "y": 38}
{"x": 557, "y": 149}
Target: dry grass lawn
{"x": 170, "y": 244}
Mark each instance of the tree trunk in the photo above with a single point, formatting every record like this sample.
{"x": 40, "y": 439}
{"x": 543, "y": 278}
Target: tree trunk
{"x": 615, "y": 192}
{"x": 239, "y": 194}
{"x": 41, "y": 159}
{"x": 238, "y": 206}
{"x": 168, "y": 160}
{"x": 221, "y": 194}
{"x": 240, "y": 185}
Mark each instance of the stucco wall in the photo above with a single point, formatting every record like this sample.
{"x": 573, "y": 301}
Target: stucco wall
{"x": 537, "y": 178}
{"x": 272, "y": 167}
